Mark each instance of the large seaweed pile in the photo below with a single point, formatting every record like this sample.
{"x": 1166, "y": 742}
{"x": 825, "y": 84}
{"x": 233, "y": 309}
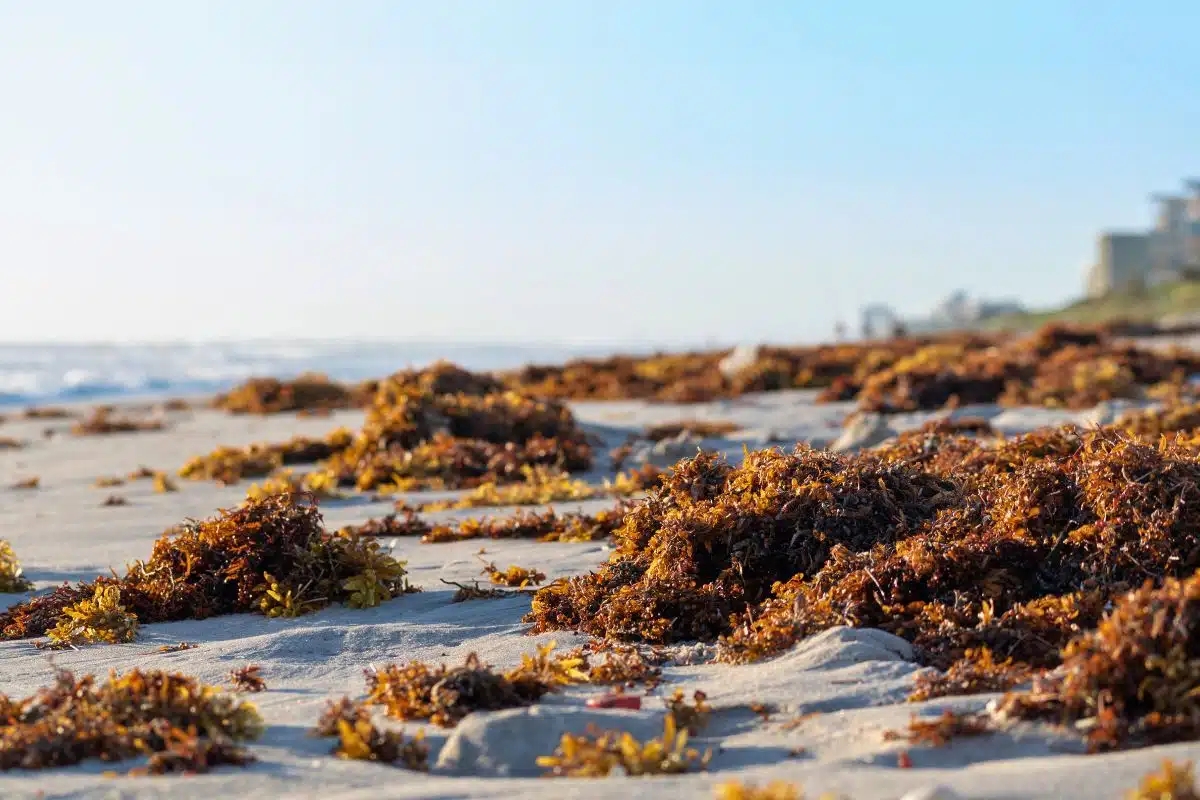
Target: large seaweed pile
{"x": 1010, "y": 548}
{"x": 271, "y": 556}
{"x": 438, "y": 427}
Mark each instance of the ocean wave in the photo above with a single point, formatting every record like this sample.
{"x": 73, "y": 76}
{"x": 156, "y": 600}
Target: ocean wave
{"x": 41, "y": 374}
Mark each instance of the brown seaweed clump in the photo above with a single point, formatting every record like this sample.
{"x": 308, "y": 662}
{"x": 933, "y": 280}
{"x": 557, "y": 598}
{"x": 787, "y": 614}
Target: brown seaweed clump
{"x": 1135, "y": 679}
{"x": 271, "y": 556}
{"x": 102, "y": 421}
{"x": 11, "y": 578}
{"x": 248, "y": 678}
{"x": 311, "y": 391}
{"x": 548, "y": 526}
{"x": 358, "y": 738}
{"x": 701, "y": 428}
{"x": 444, "y": 427}
{"x": 1010, "y": 548}
{"x": 714, "y": 539}
{"x": 445, "y": 695}
{"x": 180, "y": 723}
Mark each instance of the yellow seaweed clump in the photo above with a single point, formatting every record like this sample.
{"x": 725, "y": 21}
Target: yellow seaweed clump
{"x": 100, "y": 618}
{"x": 1170, "y": 782}
{"x": 11, "y": 579}
{"x": 360, "y": 739}
{"x": 180, "y": 723}
{"x": 272, "y": 556}
{"x": 597, "y": 754}
{"x": 101, "y": 422}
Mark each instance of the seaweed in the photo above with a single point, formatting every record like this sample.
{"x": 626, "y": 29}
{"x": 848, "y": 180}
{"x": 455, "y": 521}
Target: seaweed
{"x": 248, "y": 679}
{"x": 515, "y": 576}
{"x": 775, "y": 790}
{"x": 701, "y": 428}
{"x": 939, "y": 731}
{"x": 178, "y": 647}
{"x": 1170, "y": 782}
{"x": 228, "y": 465}
{"x": 108, "y": 481}
{"x": 9, "y": 443}
{"x": 11, "y": 579}
{"x": 964, "y": 548}
{"x": 597, "y": 754}
{"x": 180, "y": 723}
{"x": 272, "y": 556}
{"x": 32, "y": 482}
{"x": 1132, "y": 681}
{"x": 102, "y": 422}
{"x": 445, "y": 695}
{"x": 690, "y": 717}
{"x": 163, "y": 483}
{"x": 309, "y": 391}
{"x": 358, "y": 738}
{"x": 115, "y": 500}
{"x": 100, "y": 618}
{"x": 977, "y": 672}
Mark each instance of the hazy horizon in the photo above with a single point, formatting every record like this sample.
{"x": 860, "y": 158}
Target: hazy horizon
{"x": 568, "y": 171}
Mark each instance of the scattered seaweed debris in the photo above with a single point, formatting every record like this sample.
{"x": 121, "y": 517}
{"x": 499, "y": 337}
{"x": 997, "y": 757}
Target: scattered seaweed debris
{"x": 977, "y": 672}
{"x": 100, "y": 618}
{"x": 404, "y": 522}
{"x": 310, "y": 391}
{"x": 939, "y": 731}
{"x": 102, "y": 422}
{"x": 623, "y": 665}
{"x": 115, "y": 500}
{"x": 701, "y": 428}
{"x": 163, "y": 483}
{"x": 358, "y": 738}
{"x": 142, "y": 473}
{"x": 180, "y": 723}
{"x": 9, "y": 443}
{"x": 248, "y": 679}
{"x": 541, "y": 486}
{"x": 775, "y": 790}
{"x": 286, "y": 481}
{"x": 46, "y": 412}
{"x": 597, "y": 754}
{"x": 178, "y": 647}
{"x": 108, "y": 481}
{"x": 32, "y": 482}
{"x": 445, "y": 695}
{"x": 514, "y": 576}
{"x": 691, "y": 717}
{"x": 228, "y": 465}
{"x": 1171, "y": 781}
{"x": 548, "y": 526}
{"x": 271, "y": 556}
{"x": 1134, "y": 680}
{"x": 12, "y": 581}
{"x": 475, "y": 592}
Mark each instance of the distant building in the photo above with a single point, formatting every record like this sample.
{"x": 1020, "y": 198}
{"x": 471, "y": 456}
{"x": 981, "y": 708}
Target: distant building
{"x": 956, "y": 312}
{"x": 1123, "y": 261}
{"x": 1167, "y": 252}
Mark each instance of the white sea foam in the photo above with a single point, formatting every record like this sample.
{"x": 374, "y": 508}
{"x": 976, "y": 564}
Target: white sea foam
{"x": 54, "y": 373}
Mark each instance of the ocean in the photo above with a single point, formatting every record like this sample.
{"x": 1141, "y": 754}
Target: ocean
{"x": 49, "y": 373}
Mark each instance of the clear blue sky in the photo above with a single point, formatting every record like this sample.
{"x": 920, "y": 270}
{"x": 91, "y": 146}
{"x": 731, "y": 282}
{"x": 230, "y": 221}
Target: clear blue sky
{"x": 564, "y": 170}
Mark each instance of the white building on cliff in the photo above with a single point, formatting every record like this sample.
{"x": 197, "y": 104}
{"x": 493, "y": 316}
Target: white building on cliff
{"x": 1164, "y": 253}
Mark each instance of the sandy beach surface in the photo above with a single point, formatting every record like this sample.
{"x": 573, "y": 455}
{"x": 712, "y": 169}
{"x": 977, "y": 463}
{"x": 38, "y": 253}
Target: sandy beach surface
{"x": 832, "y": 697}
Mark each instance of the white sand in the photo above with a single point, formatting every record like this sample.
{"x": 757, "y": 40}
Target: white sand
{"x": 856, "y": 679}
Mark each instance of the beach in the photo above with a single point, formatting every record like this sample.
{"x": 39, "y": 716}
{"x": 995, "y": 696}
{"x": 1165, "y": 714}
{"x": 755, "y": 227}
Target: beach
{"x": 817, "y": 715}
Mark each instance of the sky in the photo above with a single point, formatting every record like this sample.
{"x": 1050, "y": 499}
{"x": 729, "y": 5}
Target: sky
{"x": 569, "y": 171}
